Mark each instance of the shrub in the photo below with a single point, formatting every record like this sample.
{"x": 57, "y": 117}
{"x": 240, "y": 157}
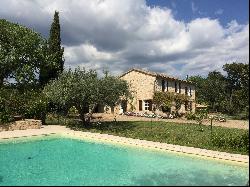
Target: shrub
{"x": 73, "y": 110}
{"x": 28, "y": 104}
{"x": 5, "y": 113}
{"x": 190, "y": 116}
{"x": 5, "y": 117}
{"x": 242, "y": 116}
{"x": 35, "y": 105}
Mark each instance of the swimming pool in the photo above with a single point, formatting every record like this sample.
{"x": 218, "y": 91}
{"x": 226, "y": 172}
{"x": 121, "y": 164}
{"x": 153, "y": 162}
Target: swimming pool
{"x": 64, "y": 161}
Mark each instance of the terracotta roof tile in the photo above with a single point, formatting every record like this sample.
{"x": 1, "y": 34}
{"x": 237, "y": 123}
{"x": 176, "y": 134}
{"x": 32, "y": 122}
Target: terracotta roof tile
{"x": 162, "y": 75}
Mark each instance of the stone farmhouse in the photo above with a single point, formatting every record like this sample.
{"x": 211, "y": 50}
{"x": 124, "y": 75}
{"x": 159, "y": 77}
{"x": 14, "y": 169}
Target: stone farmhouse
{"x": 143, "y": 84}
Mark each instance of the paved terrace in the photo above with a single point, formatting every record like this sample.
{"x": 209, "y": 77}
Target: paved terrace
{"x": 66, "y": 132}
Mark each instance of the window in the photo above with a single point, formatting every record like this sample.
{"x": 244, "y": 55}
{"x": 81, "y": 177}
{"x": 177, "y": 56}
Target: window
{"x": 188, "y": 106}
{"x": 177, "y": 87}
{"x": 190, "y": 91}
{"x": 124, "y": 105}
{"x": 163, "y": 85}
{"x": 148, "y": 105}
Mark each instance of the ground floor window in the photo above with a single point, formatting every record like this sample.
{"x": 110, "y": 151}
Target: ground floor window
{"x": 188, "y": 106}
{"x": 99, "y": 109}
{"x": 124, "y": 105}
{"x": 145, "y": 105}
{"x": 148, "y": 105}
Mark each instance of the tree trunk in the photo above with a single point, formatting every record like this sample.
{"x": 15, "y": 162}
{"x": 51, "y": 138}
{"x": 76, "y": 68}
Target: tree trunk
{"x": 92, "y": 110}
{"x": 213, "y": 106}
{"x": 87, "y": 122}
{"x": 81, "y": 114}
{"x": 82, "y": 117}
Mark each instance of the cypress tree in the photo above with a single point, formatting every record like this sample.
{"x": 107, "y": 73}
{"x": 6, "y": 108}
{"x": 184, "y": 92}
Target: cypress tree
{"x": 55, "y": 61}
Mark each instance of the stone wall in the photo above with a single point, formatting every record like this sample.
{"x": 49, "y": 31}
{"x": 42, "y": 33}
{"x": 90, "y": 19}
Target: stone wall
{"x": 144, "y": 85}
{"x": 141, "y": 85}
{"x": 22, "y": 125}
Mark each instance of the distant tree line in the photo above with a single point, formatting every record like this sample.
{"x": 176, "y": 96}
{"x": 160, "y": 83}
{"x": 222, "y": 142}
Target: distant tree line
{"x": 227, "y": 93}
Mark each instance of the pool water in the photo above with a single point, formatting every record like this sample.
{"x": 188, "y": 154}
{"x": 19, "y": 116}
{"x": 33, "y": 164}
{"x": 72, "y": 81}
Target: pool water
{"x": 64, "y": 161}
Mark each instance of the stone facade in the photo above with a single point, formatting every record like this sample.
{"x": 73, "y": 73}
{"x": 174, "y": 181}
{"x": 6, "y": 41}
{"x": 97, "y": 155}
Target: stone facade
{"x": 22, "y": 125}
{"x": 142, "y": 87}
{"x": 143, "y": 84}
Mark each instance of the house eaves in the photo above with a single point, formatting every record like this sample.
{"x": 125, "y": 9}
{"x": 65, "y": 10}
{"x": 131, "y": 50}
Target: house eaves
{"x": 157, "y": 75}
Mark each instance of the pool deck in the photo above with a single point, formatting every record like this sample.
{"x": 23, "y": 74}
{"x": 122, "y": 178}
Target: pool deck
{"x": 63, "y": 131}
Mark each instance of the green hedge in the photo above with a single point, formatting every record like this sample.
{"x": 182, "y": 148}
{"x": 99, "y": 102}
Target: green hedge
{"x": 28, "y": 104}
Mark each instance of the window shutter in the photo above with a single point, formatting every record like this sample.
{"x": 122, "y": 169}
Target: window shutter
{"x": 140, "y": 105}
{"x": 150, "y": 105}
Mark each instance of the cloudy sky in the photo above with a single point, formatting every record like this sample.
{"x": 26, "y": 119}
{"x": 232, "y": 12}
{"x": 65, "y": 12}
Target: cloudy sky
{"x": 176, "y": 37}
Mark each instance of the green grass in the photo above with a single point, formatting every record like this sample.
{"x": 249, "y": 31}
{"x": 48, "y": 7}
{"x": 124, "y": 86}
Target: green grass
{"x": 220, "y": 139}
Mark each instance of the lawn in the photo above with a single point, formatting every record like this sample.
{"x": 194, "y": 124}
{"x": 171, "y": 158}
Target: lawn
{"x": 219, "y": 139}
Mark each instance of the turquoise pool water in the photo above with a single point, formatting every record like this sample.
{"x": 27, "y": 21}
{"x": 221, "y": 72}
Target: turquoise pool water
{"x": 64, "y": 161}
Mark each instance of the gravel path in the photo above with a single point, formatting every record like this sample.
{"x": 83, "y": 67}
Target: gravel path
{"x": 240, "y": 124}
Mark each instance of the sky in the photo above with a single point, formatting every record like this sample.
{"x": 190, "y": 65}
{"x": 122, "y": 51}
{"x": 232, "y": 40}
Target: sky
{"x": 176, "y": 37}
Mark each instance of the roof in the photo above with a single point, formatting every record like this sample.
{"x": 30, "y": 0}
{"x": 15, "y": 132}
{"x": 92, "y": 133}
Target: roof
{"x": 155, "y": 74}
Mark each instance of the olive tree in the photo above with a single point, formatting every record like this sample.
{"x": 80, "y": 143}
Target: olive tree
{"x": 22, "y": 51}
{"x": 84, "y": 89}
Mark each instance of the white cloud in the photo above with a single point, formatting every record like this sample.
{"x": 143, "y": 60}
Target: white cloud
{"x": 204, "y": 32}
{"x": 122, "y": 34}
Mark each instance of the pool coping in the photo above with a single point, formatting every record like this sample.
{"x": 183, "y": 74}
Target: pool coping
{"x": 184, "y": 150}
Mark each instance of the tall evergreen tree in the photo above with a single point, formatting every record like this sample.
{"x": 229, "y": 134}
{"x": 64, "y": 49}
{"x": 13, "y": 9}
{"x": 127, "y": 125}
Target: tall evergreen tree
{"x": 55, "y": 61}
